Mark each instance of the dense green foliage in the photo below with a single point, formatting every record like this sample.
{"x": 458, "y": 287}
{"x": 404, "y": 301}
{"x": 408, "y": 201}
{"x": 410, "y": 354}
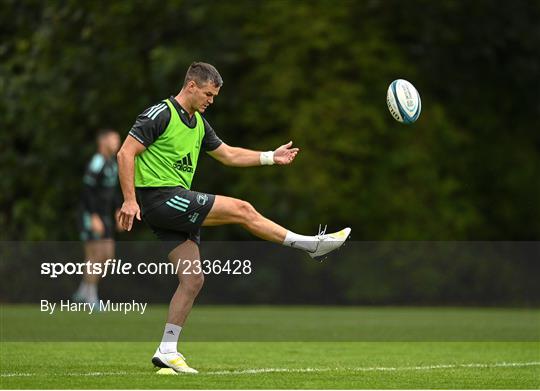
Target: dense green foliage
{"x": 314, "y": 72}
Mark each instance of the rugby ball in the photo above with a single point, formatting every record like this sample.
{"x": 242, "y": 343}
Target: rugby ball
{"x": 403, "y": 101}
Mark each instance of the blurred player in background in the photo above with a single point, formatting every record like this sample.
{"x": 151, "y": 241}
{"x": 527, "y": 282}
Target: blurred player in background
{"x": 100, "y": 203}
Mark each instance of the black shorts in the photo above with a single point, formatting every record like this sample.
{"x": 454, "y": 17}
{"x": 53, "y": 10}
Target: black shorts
{"x": 180, "y": 216}
{"x": 85, "y": 227}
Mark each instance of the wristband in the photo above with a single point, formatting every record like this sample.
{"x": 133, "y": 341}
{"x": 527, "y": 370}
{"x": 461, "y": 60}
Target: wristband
{"x": 267, "y": 158}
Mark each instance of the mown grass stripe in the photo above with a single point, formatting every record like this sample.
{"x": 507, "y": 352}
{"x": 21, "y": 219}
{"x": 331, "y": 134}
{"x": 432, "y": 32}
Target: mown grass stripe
{"x": 256, "y": 371}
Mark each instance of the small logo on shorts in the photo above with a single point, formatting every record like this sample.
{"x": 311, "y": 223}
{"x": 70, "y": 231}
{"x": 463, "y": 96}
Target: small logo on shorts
{"x": 202, "y": 199}
{"x": 193, "y": 217}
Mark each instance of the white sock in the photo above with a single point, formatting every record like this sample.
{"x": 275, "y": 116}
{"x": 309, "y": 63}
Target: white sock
{"x": 91, "y": 292}
{"x": 170, "y": 338}
{"x": 82, "y": 290}
{"x": 308, "y": 243}
{"x": 88, "y": 291}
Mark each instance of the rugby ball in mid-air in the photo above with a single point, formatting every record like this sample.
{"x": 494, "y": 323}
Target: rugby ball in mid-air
{"x": 403, "y": 101}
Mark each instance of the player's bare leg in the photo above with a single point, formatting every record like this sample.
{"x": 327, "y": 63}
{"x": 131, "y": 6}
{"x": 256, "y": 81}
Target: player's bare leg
{"x": 228, "y": 210}
{"x": 96, "y": 251}
{"x": 191, "y": 280}
{"x": 186, "y": 259}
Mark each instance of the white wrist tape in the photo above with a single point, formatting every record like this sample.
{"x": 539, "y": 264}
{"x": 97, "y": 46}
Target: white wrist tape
{"x": 267, "y": 158}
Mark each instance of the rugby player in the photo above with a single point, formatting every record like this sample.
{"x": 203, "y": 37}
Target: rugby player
{"x": 157, "y": 163}
{"x": 100, "y": 201}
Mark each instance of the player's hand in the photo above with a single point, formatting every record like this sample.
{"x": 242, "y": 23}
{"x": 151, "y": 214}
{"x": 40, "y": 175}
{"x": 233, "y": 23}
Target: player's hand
{"x": 97, "y": 225}
{"x": 119, "y": 227}
{"x": 129, "y": 210}
{"x": 285, "y": 154}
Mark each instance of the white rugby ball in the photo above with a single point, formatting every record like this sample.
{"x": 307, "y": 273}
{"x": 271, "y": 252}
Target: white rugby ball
{"x": 403, "y": 101}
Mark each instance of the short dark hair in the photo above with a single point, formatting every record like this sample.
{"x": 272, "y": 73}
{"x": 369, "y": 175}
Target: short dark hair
{"x": 104, "y": 131}
{"x": 201, "y": 73}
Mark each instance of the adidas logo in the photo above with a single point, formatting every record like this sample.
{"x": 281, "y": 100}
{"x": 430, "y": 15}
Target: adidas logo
{"x": 170, "y": 332}
{"x": 185, "y": 164}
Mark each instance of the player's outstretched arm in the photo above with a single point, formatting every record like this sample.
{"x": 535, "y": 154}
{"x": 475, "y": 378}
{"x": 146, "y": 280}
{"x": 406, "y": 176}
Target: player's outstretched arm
{"x": 241, "y": 157}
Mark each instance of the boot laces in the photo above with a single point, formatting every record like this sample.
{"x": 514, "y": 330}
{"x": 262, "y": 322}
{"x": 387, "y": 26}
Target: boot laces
{"x": 322, "y": 231}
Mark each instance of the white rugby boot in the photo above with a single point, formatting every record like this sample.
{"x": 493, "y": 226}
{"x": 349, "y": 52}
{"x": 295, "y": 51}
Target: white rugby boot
{"x": 174, "y": 360}
{"x": 329, "y": 242}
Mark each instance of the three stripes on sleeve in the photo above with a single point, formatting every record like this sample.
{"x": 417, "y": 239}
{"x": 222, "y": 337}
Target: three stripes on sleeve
{"x": 154, "y": 111}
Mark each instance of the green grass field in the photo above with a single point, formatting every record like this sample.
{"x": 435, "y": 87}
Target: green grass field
{"x": 511, "y": 359}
